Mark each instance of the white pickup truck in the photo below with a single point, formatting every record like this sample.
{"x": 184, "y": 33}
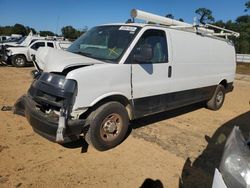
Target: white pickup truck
{"x": 21, "y": 56}
{"x": 23, "y": 41}
{"x": 115, "y": 73}
{"x": 3, "y": 38}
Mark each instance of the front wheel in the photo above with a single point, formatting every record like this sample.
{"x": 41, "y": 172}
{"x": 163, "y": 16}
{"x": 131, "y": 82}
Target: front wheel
{"x": 19, "y": 61}
{"x": 108, "y": 126}
{"x": 216, "y": 102}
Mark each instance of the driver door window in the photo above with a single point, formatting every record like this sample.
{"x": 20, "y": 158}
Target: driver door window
{"x": 156, "y": 39}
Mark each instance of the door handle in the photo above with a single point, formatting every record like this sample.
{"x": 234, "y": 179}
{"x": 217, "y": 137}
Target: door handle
{"x": 169, "y": 71}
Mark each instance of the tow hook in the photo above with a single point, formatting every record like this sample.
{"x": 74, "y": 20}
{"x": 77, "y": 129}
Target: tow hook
{"x": 61, "y": 126}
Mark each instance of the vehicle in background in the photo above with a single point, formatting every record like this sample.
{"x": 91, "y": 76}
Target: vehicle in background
{"x": 18, "y": 36}
{"x": 115, "y": 73}
{"x": 23, "y": 41}
{"x": 21, "y": 56}
{"x": 234, "y": 170}
{"x": 18, "y": 40}
{"x": 11, "y": 40}
{"x": 3, "y": 38}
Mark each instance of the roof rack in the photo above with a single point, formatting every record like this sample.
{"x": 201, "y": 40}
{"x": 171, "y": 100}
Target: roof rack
{"x": 205, "y": 29}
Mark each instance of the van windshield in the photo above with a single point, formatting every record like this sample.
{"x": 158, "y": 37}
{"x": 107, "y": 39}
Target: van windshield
{"x": 106, "y": 43}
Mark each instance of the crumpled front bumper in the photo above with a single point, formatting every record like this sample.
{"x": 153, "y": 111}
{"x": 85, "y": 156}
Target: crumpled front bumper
{"x": 48, "y": 105}
{"x": 43, "y": 124}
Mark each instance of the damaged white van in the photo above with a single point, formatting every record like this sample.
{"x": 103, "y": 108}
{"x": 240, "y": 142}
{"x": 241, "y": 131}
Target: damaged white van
{"x": 119, "y": 72}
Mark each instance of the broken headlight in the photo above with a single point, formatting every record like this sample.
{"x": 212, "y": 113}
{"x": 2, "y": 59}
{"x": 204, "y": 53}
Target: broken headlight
{"x": 235, "y": 163}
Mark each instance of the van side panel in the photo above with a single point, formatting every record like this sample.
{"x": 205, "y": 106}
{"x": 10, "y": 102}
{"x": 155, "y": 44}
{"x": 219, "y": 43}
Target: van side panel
{"x": 200, "y": 61}
{"x": 199, "y": 64}
{"x": 99, "y": 81}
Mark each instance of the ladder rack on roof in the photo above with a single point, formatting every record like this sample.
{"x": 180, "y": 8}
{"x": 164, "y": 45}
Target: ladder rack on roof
{"x": 206, "y": 29}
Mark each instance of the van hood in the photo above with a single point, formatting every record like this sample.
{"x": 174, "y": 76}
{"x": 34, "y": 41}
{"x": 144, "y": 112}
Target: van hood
{"x": 56, "y": 60}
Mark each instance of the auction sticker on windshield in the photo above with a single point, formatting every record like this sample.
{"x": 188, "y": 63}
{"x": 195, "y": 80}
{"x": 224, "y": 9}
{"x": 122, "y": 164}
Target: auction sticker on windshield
{"x": 127, "y": 28}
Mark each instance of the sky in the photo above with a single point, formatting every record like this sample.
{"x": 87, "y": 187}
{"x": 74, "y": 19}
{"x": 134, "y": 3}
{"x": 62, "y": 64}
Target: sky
{"x": 54, "y": 14}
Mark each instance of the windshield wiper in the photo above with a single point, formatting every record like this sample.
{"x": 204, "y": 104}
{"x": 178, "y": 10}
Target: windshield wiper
{"x": 83, "y": 53}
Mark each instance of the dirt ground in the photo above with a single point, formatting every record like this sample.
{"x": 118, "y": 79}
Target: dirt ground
{"x": 179, "y": 148}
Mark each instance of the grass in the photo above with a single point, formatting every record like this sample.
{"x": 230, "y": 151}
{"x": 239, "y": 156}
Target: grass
{"x": 243, "y": 68}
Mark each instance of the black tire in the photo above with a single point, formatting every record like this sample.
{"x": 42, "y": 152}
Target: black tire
{"x": 216, "y": 102}
{"x": 108, "y": 126}
{"x": 19, "y": 61}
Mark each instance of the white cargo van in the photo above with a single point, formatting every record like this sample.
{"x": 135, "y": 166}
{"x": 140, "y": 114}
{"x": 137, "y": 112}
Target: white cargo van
{"x": 119, "y": 72}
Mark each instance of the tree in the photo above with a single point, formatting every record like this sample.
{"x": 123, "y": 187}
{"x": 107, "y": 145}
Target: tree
{"x": 129, "y": 21}
{"x": 205, "y": 15}
{"x": 171, "y": 16}
{"x": 28, "y": 29}
{"x": 47, "y": 33}
{"x": 19, "y": 29}
{"x": 247, "y": 4}
{"x": 243, "y": 19}
{"x": 7, "y": 30}
{"x": 70, "y": 32}
{"x": 22, "y": 30}
{"x": 220, "y": 23}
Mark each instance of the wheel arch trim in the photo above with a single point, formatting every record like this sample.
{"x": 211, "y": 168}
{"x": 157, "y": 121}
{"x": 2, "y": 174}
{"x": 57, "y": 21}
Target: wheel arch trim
{"x": 114, "y": 96}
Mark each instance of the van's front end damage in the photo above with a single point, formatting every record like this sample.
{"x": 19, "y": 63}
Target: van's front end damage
{"x": 48, "y": 106}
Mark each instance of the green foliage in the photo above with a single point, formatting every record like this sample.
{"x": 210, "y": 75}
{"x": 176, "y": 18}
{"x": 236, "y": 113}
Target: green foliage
{"x": 247, "y": 4}
{"x": 241, "y": 25}
{"x": 171, "y": 16}
{"x": 70, "y": 32}
{"x": 7, "y": 30}
{"x": 205, "y": 15}
{"x": 31, "y": 29}
{"x": 67, "y": 31}
{"x": 20, "y": 29}
{"x": 16, "y": 29}
{"x": 47, "y": 33}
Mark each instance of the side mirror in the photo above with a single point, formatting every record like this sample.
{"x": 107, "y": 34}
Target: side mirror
{"x": 144, "y": 53}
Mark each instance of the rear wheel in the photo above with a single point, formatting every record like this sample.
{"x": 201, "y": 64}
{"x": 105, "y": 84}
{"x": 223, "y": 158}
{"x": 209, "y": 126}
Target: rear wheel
{"x": 216, "y": 102}
{"x": 108, "y": 126}
{"x": 19, "y": 61}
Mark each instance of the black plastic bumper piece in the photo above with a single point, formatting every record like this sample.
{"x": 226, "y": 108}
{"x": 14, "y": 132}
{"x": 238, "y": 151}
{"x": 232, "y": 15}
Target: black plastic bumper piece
{"x": 43, "y": 124}
{"x": 230, "y": 87}
{"x": 3, "y": 54}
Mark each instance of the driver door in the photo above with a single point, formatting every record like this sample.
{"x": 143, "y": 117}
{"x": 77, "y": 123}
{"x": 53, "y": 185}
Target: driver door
{"x": 151, "y": 79}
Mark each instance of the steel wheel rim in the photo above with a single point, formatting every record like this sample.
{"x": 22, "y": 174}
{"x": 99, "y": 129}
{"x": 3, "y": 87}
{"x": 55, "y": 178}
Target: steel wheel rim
{"x": 219, "y": 98}
{"x": 19, "y": 61}
{"x": 111, "y": 127}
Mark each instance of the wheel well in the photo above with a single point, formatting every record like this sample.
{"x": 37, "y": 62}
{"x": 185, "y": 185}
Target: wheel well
{"x": 15, "y": 55}
{"x": 224, "y": 83}
{"x": 117, "y": 98}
